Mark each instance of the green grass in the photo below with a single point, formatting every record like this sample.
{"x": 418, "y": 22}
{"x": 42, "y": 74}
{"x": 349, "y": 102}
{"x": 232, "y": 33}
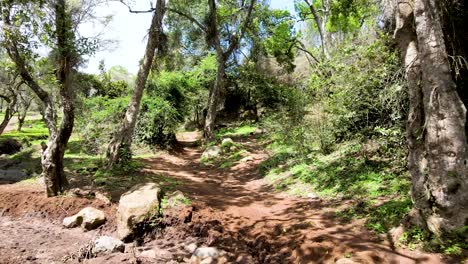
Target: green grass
{"x": 342, "y": 174}
{"x": 377, "y": 183}
{"x": 240, "y": 131}
{"x": 33, "y": 132}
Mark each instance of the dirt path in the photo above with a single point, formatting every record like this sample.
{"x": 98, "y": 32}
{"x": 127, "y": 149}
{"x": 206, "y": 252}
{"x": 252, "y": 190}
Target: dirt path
{"x": 286, "y": 230}
{"x": 234, "y": 210}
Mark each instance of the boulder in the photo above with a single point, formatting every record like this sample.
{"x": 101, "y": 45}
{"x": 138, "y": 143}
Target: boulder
{"x": 135, "y": 207}
{"x": 89, "y": 218}
{"x": 107, "y": 244}
{"x": 211, "y": 152}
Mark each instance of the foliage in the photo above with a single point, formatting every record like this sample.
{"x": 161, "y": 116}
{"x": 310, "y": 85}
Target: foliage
{"x": 99, "y": 116}
{"x": 157, "y": 123}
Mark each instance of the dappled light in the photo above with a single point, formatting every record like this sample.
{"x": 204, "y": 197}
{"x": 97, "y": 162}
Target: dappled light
{"x": 226, "y": 131}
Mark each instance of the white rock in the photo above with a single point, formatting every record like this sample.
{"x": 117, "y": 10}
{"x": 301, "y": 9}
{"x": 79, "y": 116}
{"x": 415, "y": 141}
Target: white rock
{"x": 89, "y": 218}
{"x": 108, "y": 244}
{"x": 312, "y": 196}
{"x": 206, "y": 252}
{"x": 72, "y": 221}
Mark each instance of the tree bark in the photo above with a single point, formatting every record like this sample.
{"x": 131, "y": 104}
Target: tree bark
{"x": 436, "y": 124}
{"x": 121, "y": 141}
{"x": 52, "y": 156}
{"x": 445, "y": 190}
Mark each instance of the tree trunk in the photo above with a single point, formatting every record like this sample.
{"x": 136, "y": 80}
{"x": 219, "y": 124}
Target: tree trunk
{"x": 121, "y": 141}
{"x": 444, "y": 191}
{"x": 436, "y": 123}
{"x": 26, "y": 103}
{"x": 213, "y": 100}
{"x": 10, "y": 111}
{"x": 52, "y": 156}
{"x": 321, "y": 23}
{"x": 213, "y": 39}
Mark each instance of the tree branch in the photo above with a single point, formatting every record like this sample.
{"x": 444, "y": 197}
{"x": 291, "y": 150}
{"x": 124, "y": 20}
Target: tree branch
{"x": 137, "y": 11}
{"x": 235, "y": 42}
{"x": 187, "y": 16}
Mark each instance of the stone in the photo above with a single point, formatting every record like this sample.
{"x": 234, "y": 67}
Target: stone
{"x": 107, "y": 244}
{"x": 176, "y": 199}
{"x": 191, "y": 247}
{"x": 206, "y": 252}
{"x": 136, "y": 206}
{"x": 211, "y": 152}
{"x": 71, "y": 221}
{"x": 89, "y": 218}
{"x": 227, "y": 143}
{"x": 312, "y": 196}
{"x": 92, "y": 218}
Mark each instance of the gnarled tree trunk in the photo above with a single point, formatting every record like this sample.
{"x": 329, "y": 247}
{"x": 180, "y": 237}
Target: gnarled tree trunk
{"x": 121, "y": 141}
{"x": 436, "y": 124}
{"x": 52, "y": 157}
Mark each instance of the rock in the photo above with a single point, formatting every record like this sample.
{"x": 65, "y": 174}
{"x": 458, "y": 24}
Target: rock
{"x": 227, "y": 143}
{"x": 206, "y": 252}
{"x": 191, "y": 247}
{"x": 176, "y": 199}
{"x": 107, "y": 244}
{"x": 89, "y": 218}
{"x": 312, "y": 196}
{"x": 136, "y": 206}
{"x": 103, "y": 198}
{"x": 211, "y": 152}
{"x": 72, "y": 221}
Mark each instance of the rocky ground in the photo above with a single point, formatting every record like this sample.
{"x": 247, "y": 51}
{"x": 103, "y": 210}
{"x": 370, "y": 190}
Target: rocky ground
{"x": 235, "y": 217}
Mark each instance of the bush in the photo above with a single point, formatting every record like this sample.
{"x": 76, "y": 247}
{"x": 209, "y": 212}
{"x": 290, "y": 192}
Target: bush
{"x": 99, "y": 117}
{"x": 157, "y": 122}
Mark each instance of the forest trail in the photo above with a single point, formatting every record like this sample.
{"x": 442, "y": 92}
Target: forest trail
{"x": 282, "y": 229}
{"x": 234, "y": 209}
